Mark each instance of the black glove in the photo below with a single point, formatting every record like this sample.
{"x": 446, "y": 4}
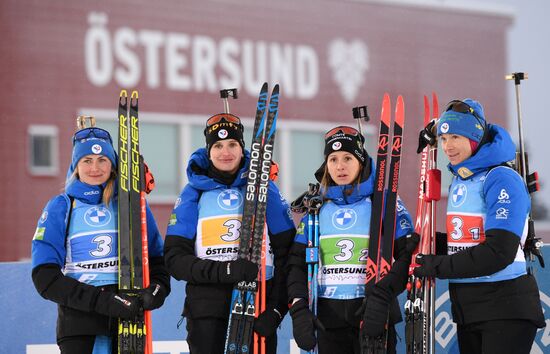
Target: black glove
{"x": 376, "y": 311}
{"x": 426, "y": 136}
{"x": 441, "y": 243}
{"x": 267, "y": 322}
{"x": 428, "y": 265}
{"x": 234, "y": 271}
{"x": 411, "y": 241}
{"x": 304, "y": 324}
{"x": 118, "y": 305}
{"x": 153, "y": 296}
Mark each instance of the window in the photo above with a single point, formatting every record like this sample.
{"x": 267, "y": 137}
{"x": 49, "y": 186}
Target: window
{"x": 168, "y": 140}
{"x": 43, "y": 150}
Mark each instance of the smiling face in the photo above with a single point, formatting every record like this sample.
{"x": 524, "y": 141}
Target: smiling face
{"x": 456, "y": 147}
{"x": 343, "y": 167}
{"x": 226, "y": 155}
{"x": 94, "y": 169}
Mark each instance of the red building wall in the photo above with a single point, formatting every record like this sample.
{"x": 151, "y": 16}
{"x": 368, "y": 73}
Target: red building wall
{"x": 410, "y": 50}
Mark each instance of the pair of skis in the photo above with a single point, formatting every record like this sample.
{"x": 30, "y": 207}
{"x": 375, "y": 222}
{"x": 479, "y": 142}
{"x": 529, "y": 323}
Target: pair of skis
{"x": 382, "y": 225}
{"x": 420, "y": 303}
{"x": 248, "y": 298}
{"x": 134, "y": 336}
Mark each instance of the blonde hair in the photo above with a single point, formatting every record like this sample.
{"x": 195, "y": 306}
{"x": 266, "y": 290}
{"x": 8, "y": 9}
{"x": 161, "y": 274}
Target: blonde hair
{"x": 108, "y": 191}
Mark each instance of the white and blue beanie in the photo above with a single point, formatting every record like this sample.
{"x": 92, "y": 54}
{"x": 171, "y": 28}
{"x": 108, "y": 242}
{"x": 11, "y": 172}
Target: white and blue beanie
{"x": 92, "y": 146}
{"x": 470, "y": 124}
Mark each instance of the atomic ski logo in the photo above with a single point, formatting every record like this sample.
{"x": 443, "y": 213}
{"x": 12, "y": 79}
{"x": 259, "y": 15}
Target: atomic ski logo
{"x": 458, "y": 195}
{"x": 343, "y": 219}
{"x": 230, "y": 199}
{"x": 97, "y": 216}
{"x": 349, "y": 62}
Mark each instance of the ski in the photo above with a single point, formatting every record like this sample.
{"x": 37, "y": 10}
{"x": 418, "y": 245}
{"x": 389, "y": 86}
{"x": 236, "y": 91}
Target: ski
{"x": 244, "y": 304}
{"x": 420, "y": 303}
{"x": 383, "y": 215}
{"x": 131, "y": 225}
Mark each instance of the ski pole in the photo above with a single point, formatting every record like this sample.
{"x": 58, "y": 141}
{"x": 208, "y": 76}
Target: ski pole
{"x": 225, "y": 94}
{"x": 533, "y": 244}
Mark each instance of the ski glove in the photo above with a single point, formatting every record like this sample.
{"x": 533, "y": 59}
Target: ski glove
{"x": 118, "y": 305}
{"x": 304, "y": 324}
{"x": 234, "y": 271}
{"x": 376, "y": 307}
{"x": 426, "y": 136}
{"x": 153, "y": 297}
{"x": 267, "y": 322}
{"x": 428, "y": 265}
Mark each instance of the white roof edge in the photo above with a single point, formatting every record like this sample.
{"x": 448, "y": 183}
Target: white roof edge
{"x": 488, "y": 8}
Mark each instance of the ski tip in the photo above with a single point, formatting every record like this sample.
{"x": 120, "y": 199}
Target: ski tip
{"x": 400, "y": 111}
{"x": 134, "y": 94}
{"x": 123, "y": 93}
{"x": 435, "y": 103}
{"x": 386, "y": 107}
{"x": 264, "y": 87}
{"x": 426, "y": 110}
{"x": 275, "y": 89}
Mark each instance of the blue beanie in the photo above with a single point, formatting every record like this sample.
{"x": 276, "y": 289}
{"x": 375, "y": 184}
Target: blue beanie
{"x": 92, "y": 146}
{"x": 464, "y": 124}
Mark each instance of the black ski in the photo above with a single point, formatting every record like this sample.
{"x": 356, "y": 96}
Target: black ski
{"x": 381, "y": 236}
{"x": 243, "y": 300}
{"x": 131, "y": 333}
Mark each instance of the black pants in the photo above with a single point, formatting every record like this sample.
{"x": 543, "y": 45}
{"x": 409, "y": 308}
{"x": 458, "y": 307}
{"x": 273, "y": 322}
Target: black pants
{"x": 80, "y": 344}
{"x": 502, "y": 336}
{"x": 207, "y": 336}
{"x": 346, "y": 340}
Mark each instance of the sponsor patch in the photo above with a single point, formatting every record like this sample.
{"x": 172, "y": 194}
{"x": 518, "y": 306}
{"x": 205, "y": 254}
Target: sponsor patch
{"x": 39, "y": 233}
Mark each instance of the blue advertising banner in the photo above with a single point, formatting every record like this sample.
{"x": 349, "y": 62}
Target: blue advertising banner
{"x": 28, "y": 321}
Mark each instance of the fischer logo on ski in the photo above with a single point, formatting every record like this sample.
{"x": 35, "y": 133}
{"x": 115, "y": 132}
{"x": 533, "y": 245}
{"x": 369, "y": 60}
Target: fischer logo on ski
{"x": 134, "y": 336}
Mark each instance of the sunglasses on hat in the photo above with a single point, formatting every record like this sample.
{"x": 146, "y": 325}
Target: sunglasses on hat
{"x": 87, "y": 133}
{"x": 462, "y": 107}
{"x": 342, "y": 129}
{"x": 226, "y": 117}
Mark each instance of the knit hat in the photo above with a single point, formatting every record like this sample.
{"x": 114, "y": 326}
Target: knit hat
{"x": 92, "y": 141}
{"x": 465, "y": 118}
{"x": 223, "y": 126}
{"x": 348, "y": 139}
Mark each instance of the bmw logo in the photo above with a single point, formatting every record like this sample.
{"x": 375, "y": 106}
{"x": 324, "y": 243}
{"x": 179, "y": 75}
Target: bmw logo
{"x": 458, "y": 195}
{"x": 230, "y": 199}
{"x": 343, "y": 219}
{"x": 97, "y": 216}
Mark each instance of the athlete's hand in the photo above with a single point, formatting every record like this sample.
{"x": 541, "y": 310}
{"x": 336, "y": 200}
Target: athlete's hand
{"x": 304, "y": 324}
{"x": 235, "y": 271}
{"x": 426, "y": 136}
{"x": 118, "y": 305}
{"x": 267, "y": 322}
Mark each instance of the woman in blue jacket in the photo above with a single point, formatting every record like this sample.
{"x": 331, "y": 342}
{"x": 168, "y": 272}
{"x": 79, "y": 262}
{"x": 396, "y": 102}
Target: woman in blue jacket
{"x": 347, "y": 183}
{"x": 75, "y": 252}
{"x": 203, "y": 237}
{"x": 494, "y": 302}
